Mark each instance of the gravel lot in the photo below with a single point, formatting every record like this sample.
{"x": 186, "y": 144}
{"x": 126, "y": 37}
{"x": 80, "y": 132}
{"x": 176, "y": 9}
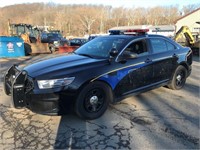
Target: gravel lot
{"x": 158, "y": 119}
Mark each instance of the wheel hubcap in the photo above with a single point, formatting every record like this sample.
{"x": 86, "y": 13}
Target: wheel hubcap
{"x": 179, "y": 78}
{"x": 94, "y": 100}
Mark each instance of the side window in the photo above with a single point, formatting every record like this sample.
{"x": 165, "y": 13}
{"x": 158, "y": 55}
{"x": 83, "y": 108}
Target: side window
{"x": 170, "y": 46}
{"x": 138, "y": 47}
{"x": 158, "y": 45}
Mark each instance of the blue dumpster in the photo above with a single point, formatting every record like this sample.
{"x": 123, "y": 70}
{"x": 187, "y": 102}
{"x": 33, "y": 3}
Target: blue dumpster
{"x": 11, "y": 47}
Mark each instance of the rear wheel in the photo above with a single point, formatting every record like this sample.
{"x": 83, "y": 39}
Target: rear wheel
{"x": 93, "y": 100}
{"x": 27, "y": 49}
{"x": 179, "y": 78}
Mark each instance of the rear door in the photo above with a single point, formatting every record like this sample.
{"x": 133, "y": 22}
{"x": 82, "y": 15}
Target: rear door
{"x": 164, "y": 59}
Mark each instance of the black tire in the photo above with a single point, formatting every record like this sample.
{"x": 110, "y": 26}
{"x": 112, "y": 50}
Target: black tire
{"x": 52, "y": 48}
{"x": 93, "y": 100}
{"x": 27, "y": 49}
{"x": 179, "y": 78}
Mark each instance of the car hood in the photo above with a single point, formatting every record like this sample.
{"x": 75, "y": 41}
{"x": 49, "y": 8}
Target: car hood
{"x": 61, "y": 66}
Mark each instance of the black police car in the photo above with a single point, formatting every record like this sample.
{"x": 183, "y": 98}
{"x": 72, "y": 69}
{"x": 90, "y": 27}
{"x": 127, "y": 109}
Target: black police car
{"x": 105, "y": 70}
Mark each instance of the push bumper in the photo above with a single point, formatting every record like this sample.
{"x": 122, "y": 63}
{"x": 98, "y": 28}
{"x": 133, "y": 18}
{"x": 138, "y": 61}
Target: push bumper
{"x": 20, "y": 87}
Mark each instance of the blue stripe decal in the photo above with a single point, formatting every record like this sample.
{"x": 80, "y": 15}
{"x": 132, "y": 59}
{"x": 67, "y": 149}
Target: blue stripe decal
{"x": 115, "y": 77}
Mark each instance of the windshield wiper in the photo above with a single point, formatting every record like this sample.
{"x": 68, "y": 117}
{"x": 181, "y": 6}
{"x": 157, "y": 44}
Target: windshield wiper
{"x": 85, "y": 55}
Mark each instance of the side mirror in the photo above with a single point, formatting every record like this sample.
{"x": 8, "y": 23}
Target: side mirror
{"x": 126, "y": 55}
{"x": 113, "y": 52}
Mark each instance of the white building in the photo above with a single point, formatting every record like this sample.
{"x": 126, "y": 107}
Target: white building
{"x": 165, "y": 30}
{"x": 191, "y": 20}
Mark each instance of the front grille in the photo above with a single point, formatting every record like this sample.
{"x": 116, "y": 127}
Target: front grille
{"x": 29, "y": 85}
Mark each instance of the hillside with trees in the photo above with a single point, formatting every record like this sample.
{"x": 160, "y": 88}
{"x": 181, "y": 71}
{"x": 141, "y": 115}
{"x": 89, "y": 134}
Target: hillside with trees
{"x": 78, "y": 20}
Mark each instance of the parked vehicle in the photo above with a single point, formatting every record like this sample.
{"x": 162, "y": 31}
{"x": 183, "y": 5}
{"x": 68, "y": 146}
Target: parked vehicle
{"x": 30, "y": 36}
{"x": 190, "y": 41}
{"x": 44, "y": 37}
{"x": 77, "y": 41}
{"x": 105, "y": 70}
{"x": 55, "y": 40}
{"x": 92, "y": 36}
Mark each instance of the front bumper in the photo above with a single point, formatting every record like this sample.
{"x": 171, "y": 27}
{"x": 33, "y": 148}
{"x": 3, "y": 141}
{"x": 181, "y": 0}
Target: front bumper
{"x": 43, "y": 103}
{"x": 20, "y": 87}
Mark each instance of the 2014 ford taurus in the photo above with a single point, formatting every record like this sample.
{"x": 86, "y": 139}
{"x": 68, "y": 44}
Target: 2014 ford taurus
{"x": 104, "y": 70}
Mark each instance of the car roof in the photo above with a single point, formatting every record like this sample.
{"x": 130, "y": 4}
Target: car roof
{"x": 120, "y": 36}
{"x": 132, "y": 37}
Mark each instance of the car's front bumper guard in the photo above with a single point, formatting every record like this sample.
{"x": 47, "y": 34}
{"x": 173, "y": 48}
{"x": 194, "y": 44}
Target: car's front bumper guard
{"x": 14, "y": 85}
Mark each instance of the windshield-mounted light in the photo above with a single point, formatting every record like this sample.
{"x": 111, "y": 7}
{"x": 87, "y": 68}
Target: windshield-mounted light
{"x": 47, "y": 84}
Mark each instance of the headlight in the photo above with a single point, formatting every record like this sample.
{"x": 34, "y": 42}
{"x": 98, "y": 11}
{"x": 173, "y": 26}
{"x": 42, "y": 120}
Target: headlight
{"x": 47, "y": 84}
{"x": 55, "y": 42}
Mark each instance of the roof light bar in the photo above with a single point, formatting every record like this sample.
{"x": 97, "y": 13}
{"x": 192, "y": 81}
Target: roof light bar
{"x": 129, "y": 31}
{"x": 137, "y": 30}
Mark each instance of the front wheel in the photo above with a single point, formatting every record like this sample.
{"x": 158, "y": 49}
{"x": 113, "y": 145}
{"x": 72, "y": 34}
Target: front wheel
{"x": 179, "y": 78}
{"x": 93, "y": 100}
{"x": 52, "y": 48}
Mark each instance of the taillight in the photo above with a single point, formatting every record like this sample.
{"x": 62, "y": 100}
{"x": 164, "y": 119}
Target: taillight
{"x": 189, "y": 57}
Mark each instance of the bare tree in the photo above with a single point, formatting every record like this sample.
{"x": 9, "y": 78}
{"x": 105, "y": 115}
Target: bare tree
{"x": 87, "y": 16}
{"x": 103, "y": 17}
{"x": 117, "y": 15}
{"x": 78, "y": 20}
{"x": 171, "y": 14}
{"x": 189, "y": 8}
{"x": 130, "y": 17}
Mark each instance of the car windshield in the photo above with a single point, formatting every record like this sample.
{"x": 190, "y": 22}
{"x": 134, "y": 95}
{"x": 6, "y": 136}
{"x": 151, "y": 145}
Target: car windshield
{"x": 100, "y": 47}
